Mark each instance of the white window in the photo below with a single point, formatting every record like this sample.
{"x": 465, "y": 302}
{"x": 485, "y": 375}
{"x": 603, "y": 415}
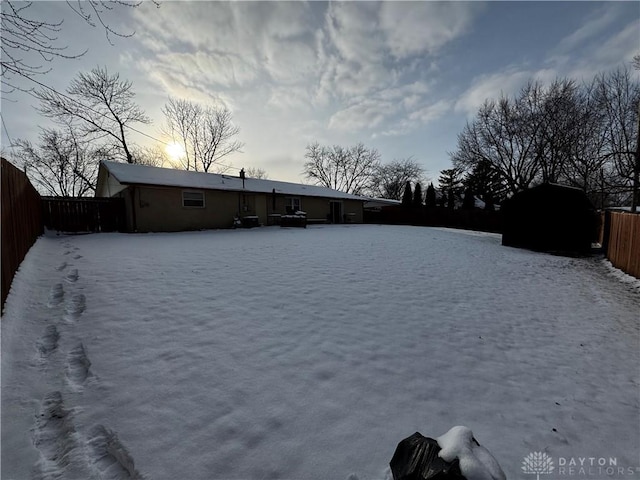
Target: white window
{"x": 192, "y": 199}
{"x": 292, "y": 204}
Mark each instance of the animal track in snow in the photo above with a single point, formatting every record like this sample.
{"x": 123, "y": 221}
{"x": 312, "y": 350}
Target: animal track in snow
{"x": 49, "y": 341}
{"x": 109, "y": 456}
{"x": 74, "y": 307}
{"x": 78, "y": 364}
{"x": 62, "y": 266}
{"x": 72, "y": 276}
{"x": 53, "y": 436}
{"x": 56, "y": 295}
{"x": 77, "y": 257}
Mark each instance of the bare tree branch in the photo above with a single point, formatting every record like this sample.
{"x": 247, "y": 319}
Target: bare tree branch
{"x": 207, "y": 134}
{"x": 61, "y": 164}
{"x": 348, "y": 170}
{"x": 100, "y": 106}
{"x": 29, "y": 43}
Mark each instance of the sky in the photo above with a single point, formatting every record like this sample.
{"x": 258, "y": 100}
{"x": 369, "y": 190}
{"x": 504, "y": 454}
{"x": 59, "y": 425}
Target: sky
{"x": 400, "y": 77}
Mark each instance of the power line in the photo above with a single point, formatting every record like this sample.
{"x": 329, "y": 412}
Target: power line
{"x": 4, "y": 126}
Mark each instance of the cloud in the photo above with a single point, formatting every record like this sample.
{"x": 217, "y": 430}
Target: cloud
{"x": 432, "y": 112}
{"x": 367, "y": 114}
{"x": 600, "y": 44}
{"x": 414, "y": 28}
{"x": 491, "y": 86}
{"x": 232, "y": 44}
{"x": 620, "y": 47}
{"x": 352, "y": 51}
{"x": 352, "y": 29}
{"x": 594, "y": 26}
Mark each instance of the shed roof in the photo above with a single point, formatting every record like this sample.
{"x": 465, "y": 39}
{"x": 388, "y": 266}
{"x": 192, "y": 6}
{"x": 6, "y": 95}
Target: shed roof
{"x": 133, "y": 174}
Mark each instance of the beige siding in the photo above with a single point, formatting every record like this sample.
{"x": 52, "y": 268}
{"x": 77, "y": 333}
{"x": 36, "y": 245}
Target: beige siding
{"x": 320, "y": 208}
{"x": 159, "y": 209}
{"x": 354, "y": 210}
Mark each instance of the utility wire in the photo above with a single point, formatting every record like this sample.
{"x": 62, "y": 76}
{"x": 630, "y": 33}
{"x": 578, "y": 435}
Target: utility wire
{"x": 4, "y": 126}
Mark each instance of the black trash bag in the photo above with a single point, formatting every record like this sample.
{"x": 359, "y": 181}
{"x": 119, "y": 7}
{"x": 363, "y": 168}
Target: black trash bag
{"x": 416, "y": 458}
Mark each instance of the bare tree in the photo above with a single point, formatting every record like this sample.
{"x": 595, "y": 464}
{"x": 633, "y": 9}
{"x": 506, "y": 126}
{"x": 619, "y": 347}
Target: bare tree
{"x": 29, "y": 43}
{"x": 619, "y": 98}
{"x": 61, "y": 164}
{"x": 585, "y": 162}
{"x": 585, "y": 136}
{"x": 389, "y": 180}
{"x": 258, "y": 173}
{"x": 153, "y": 156}
{"x": 98, "y": 106}
{"x": 501, "y": 136}
{"x": 207, "y": 134}
{"x": 181, "y": 117}
{"x": 349, "y": 170}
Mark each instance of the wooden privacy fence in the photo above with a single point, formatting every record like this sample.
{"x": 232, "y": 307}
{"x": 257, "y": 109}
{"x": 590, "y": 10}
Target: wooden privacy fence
{"x": 21, "y": 221}
{"x": 622, "y": 241}
{"x": 67, "y": 214}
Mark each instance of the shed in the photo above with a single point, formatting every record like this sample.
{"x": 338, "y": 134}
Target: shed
{"x": 165, "y": 199}
{"x": 549, "y": 217}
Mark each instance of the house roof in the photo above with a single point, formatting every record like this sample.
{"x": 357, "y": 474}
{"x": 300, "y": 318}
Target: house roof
{"x": 133, "y": 174}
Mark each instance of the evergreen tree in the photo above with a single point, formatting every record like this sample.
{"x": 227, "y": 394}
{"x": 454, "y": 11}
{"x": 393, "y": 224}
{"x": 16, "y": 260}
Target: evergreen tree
{"x": 407, "y": 197}
{"x": 443, "y": 199}
{"x": 485, "y": 181}
{"x": 451, "y": 182}
{"x": 430, "y": 199}
{"x": 451, "y": 200}
{"x": 469, "y": 201}
{"x": 417, "y": 196}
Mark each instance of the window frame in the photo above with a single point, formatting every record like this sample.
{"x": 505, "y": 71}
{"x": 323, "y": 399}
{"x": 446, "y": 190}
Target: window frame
{"x": 192, "y": 192}
{"x": 290, "y": 203}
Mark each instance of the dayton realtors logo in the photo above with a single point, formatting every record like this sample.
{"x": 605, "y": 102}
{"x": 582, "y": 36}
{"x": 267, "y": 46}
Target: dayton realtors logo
{"x": 537, "y": 463}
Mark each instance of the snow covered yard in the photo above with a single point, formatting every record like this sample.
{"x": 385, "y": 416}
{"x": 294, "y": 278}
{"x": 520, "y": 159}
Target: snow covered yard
{"x": 309, "y": 354}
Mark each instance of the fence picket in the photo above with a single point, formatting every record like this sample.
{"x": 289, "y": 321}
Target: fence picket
{"x": 83, "y": 214}
{"x": 623, "y": 247}
{"x": 21, "y": 221}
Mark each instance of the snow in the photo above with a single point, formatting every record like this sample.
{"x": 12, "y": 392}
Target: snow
{"x": 134, "y": 174}
{"x": 309, "y": 353}
{"x": 476, "y": 462}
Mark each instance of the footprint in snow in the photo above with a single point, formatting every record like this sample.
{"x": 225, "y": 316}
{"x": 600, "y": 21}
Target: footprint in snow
{"x": 74, "y": 307}
{"x": 56, "y": 295}
{"x": 109, "y": 456}
{"x": 72, "y": 276}
{"x": 49, "y": 341}
{"x": 77, "y": 257}
{"x": 62, "y": 266}
{"x": 53, "y": 436}
{"x": 77, "y": 367}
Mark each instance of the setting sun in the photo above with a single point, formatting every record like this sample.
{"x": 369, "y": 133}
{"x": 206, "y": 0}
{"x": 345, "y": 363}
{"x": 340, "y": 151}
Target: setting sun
{"x": 175, "y": 150}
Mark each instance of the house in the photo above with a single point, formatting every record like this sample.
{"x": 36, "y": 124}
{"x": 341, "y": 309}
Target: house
{"x": 165, "y": 200}
{"x": 549, "y": 217}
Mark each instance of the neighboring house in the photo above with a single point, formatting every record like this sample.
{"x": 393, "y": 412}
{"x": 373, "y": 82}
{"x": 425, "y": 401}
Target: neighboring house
{"x": 165, "y": 200}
